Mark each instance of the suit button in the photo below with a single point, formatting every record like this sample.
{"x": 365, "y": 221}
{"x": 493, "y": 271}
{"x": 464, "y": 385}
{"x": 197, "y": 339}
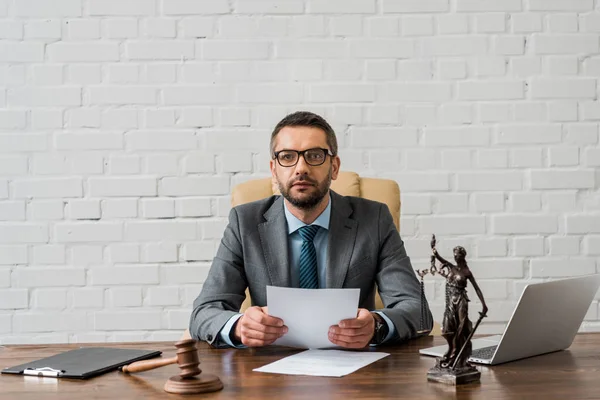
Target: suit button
{"x": 209, "y": 338}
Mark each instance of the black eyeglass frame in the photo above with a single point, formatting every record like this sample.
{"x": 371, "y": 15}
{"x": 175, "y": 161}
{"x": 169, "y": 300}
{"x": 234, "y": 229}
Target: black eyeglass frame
{"x": 326, "y": 152}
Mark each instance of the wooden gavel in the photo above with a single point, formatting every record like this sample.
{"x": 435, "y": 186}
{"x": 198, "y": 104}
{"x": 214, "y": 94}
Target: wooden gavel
{"x": 186, "y": 358}
{"x": 190, "y": 380}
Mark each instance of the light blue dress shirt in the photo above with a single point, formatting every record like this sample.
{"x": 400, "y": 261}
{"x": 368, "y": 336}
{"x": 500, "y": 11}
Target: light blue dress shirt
{"x": 294, "y": 246}
{"x": 320, "y": 242}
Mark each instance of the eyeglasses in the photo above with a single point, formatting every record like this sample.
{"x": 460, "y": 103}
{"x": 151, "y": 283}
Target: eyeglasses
{"x": 314, "y": 157}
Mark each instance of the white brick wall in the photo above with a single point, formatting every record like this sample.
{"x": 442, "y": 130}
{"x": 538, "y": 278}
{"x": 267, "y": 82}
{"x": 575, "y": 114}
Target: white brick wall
{"x": 124, "y": 125}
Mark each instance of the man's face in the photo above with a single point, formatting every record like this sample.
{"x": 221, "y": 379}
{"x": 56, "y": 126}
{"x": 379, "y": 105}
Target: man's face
{"x": 303, "y": 185}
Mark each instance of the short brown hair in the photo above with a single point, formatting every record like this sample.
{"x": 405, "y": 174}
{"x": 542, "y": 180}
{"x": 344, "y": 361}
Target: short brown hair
{"x": 306, "y": 118}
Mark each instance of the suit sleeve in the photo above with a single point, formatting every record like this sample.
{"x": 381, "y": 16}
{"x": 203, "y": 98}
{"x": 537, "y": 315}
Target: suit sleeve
{"x": 398, "y": 285}
{"x": 223, "y": 292}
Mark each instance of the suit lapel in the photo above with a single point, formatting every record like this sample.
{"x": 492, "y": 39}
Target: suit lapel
{"x": 342, "y": 235}
{"x": 273, "y": 237}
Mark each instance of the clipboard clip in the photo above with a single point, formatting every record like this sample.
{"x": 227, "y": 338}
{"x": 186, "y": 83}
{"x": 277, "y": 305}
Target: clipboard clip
{"x": 44, "y": 371}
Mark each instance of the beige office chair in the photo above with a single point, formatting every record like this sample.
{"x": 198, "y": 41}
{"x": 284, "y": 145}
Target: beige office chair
{"x": 347, "y": 184}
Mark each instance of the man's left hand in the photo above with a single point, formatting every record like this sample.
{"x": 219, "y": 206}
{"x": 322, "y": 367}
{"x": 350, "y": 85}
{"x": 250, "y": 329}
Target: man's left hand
{"x": 353, "y": 333}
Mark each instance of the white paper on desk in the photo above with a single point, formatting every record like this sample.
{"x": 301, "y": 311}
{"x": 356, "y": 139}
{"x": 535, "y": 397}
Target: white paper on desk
{"x": 322, "y": 363}
{"x": 308, "y": 313}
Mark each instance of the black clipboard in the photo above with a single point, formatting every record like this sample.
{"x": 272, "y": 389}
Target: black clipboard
{"x": 82, "y": 363}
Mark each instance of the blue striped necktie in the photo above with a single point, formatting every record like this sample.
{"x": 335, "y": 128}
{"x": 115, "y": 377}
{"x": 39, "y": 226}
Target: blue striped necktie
{"x": 308, "y": 258}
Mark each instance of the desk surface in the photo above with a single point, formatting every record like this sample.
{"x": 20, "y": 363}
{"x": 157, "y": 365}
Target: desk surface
{"x": 571, "y": 374}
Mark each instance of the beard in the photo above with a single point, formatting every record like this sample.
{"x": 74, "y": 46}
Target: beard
{"x": 310, "y": 201}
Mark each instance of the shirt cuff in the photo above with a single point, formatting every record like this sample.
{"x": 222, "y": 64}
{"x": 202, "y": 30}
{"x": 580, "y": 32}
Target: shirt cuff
{"x": 226, "y": 331}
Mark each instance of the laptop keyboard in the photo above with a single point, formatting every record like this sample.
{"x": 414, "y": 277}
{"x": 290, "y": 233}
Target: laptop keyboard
{"x": 484, "y": 353}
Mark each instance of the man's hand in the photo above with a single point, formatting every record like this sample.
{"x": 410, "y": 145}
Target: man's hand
{"x": 256, "y": 328}
{"x": 353, "y": 333}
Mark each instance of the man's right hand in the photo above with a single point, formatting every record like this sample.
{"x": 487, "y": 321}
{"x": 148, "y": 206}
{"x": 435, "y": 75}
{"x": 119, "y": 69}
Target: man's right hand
{"x": 256, "y": 328}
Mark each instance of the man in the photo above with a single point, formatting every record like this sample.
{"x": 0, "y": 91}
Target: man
{"x": 309, "y": 237}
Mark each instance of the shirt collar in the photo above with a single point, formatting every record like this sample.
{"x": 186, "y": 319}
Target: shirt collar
{"x": 294, "y": 223}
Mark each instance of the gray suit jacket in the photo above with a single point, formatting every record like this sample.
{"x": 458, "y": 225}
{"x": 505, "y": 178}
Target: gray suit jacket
{"x": 364, "y": 248}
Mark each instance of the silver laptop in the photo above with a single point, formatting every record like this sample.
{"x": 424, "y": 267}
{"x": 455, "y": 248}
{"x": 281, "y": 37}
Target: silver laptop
{"x": 546, "y": 319}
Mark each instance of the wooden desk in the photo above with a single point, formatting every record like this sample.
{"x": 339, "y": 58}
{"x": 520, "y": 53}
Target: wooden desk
{"x": 571, "y": 374}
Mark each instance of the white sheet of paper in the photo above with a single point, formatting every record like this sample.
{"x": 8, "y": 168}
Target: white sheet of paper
{"x": 308, "y": 313}
{"x": 322, "y": 363}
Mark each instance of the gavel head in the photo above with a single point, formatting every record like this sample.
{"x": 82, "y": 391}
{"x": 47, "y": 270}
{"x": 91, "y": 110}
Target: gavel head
{"x": 187, "y": 358}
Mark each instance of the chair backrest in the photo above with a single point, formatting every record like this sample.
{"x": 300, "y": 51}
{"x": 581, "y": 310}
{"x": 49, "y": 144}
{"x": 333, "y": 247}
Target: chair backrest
{"x": 347, "y": 184}
{"x": 385, "y": 191}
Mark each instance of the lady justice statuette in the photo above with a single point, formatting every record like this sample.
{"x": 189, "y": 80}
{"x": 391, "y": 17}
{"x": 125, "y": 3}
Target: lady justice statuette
{"x": 453, "y": 367}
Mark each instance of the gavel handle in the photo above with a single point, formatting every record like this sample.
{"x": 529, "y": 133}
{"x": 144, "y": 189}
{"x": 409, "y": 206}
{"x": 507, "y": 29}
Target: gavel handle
{"x": 146, "y": 365}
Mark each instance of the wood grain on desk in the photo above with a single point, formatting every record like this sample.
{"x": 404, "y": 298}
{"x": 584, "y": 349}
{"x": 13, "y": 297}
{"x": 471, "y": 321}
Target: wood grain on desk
{"x": 571, "y": 374}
